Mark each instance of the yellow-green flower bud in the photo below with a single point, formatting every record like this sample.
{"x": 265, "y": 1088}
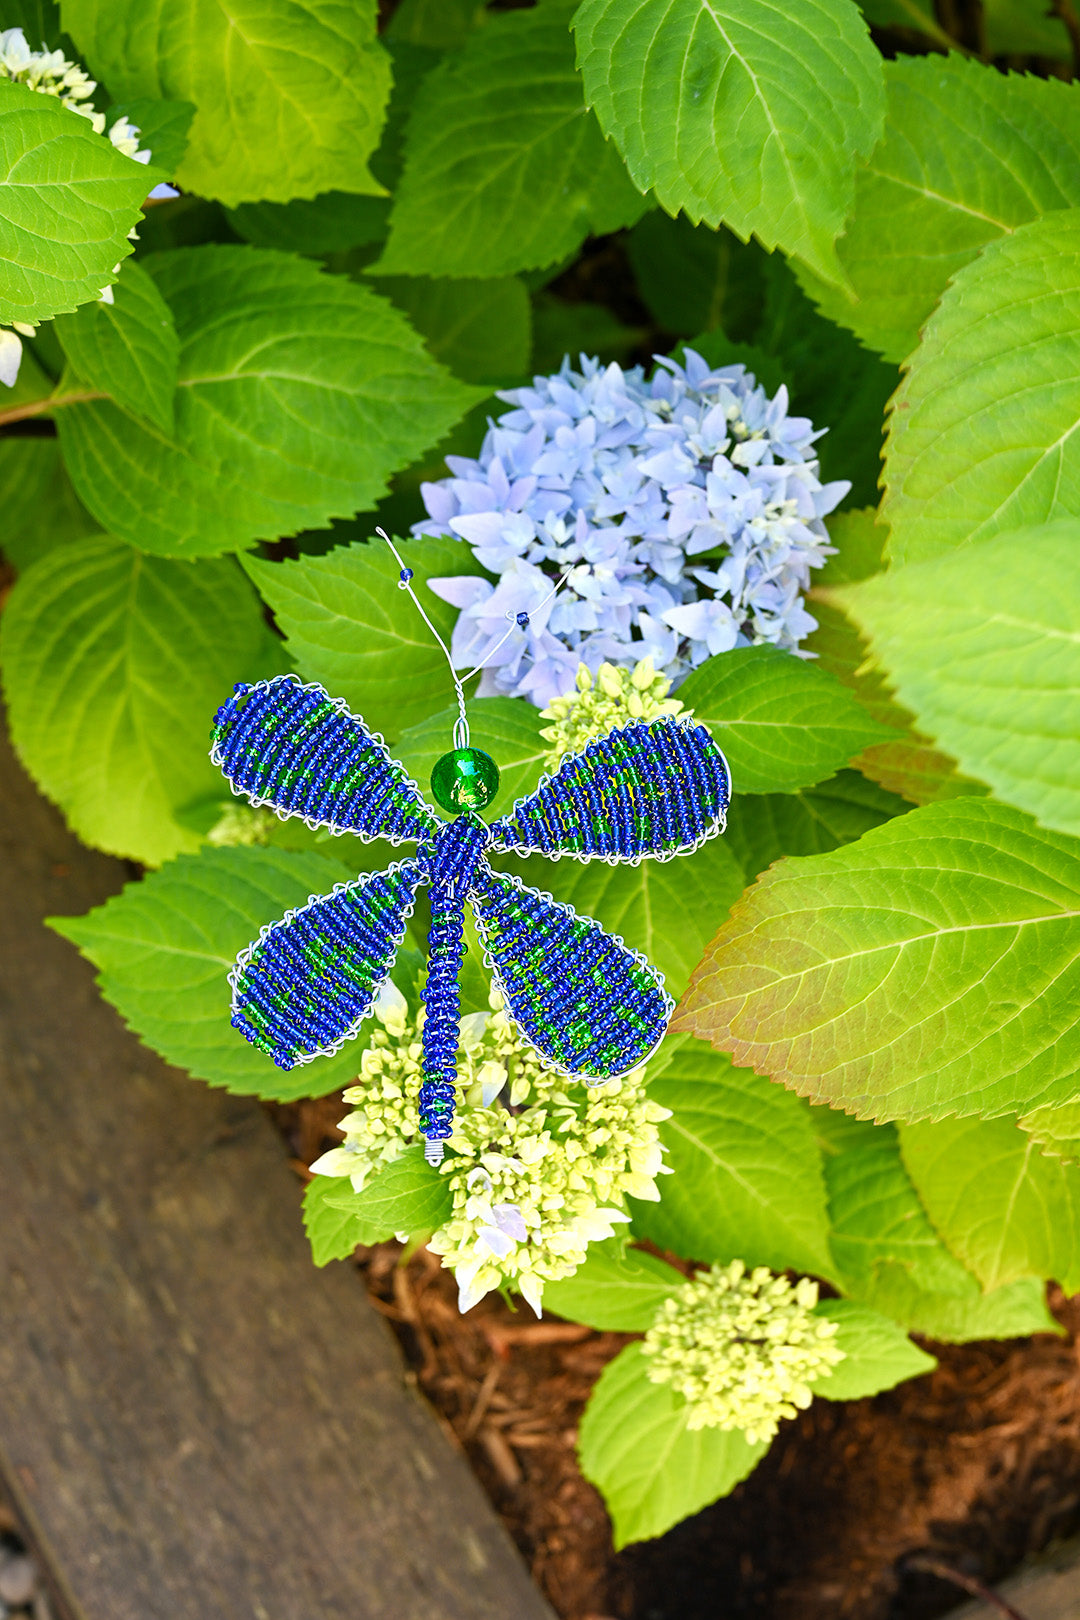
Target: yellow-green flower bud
{"x": 742, "y": 1349}
{"x": 597, "y": 705}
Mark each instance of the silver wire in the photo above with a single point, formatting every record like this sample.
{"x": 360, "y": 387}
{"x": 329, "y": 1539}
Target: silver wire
{"x": 461, "y": 724}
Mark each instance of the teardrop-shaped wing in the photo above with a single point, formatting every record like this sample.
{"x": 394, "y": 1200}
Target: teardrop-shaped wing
{"x": 304, "y": 987}
{"x": 658, "y": 789}
{"x": 591, "y": 1005}
{"x": 300, "y": 751}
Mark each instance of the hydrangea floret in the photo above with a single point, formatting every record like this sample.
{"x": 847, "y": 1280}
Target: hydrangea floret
{"x": 242, "y": 825}
{"x": 539, "y": 1167}
{"x": 595, "y": 706}
{"x": 685, "y": 509}
{"x": 51, "y": 74}
{"x": 742, "y": 1348}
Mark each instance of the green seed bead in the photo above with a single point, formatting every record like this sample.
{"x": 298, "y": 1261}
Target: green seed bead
{"x": 466, "y": 779}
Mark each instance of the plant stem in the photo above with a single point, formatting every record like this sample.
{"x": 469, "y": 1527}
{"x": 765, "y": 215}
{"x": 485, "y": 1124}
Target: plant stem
{"x": 967, "y": 1583}
{"x": 52, "y": 402}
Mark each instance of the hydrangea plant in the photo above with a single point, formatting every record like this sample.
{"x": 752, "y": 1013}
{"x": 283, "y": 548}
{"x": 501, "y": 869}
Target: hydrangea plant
{"x": 50, "y": 73}
{"x": 335, "y": 324}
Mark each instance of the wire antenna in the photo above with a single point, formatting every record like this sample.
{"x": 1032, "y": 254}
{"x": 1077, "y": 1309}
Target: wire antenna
{"x": 517, "y": 622}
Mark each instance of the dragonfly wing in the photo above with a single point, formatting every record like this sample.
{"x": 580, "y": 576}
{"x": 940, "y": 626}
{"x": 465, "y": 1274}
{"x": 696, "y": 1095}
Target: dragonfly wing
{"x": 301, "y": 752}
{"x": 658, "y": 789}
{"x": 591, "y": 1005}
{"x": 303, "y": 988}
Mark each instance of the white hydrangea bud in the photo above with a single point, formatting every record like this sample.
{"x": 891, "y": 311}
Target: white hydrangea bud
{"x": 51, "y": 74}
{"x": 125, "y": 137}
{"x": 10, "y": 357}
{"x": 596, "y": 706}
{"x": 742, "y": 1349}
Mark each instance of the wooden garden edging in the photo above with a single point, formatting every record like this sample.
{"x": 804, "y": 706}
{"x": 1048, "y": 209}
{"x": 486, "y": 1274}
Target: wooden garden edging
{"x": 194, "y": 1423}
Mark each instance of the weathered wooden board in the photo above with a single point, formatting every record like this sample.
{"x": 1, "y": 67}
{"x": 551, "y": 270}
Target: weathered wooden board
{"x": 1046, "y": 1589}
{"x": 194, "y": 1423}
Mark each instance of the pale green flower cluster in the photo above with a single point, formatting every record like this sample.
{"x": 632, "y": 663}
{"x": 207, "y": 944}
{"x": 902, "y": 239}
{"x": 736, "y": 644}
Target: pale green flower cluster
{"x": 742, "y": 1349}
{"x": 241, "y": 824}
{"x": 613, "y": 697}
{"x": 539, "y": 1166}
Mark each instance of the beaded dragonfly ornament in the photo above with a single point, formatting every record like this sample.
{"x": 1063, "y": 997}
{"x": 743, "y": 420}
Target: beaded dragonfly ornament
{"x": 592, "y": 1007}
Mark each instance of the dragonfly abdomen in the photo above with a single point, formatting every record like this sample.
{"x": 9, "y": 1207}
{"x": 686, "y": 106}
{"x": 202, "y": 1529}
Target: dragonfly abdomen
{"x": 442, "y": 1013}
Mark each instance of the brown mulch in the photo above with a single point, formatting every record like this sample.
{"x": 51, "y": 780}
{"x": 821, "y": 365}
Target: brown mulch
{"x": 977, "y": 1465}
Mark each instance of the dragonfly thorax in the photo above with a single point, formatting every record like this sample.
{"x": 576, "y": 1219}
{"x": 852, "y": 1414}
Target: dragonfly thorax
{"x": 451, "y": 859}
{"x": 464, "y": 779}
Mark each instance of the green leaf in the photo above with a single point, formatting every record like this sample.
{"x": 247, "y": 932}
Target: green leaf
{"x": 561, "y": 328}
{"x": 479, "y": 330}
{"x": 335, "y": 221}
{"x": 300, "y": 393}
{"x": 694, "y": 279}
{"x": 348, "y": 626}
{"x": 290, "y": 93}
{"x": 879, "y": 1355}
{"x": 668, "y": 909}
{"x": 163, "y": 128}
{"x": 1024, "y": 28}
{"x": 164, "y": 947}
{"x": 1005, "y": 1209}
{"x": 916, "y": 14}
{"x": 859, "y": 540}
{"x": 616, "y": 1290}
{"x": 1056, "y": 1129}
{"x": 968, "y": 155}
{"x": 505, "y": 167}
{"x": 832, "y": 379}
{"x": 763, "y": 827}
{"x": 929, "y": 969}
{"x": 68, "y": 199}
{"x": 649, "y": 1467}
{"x": 41, "y": 510}
{"x": 333, "y": 1230}
{"x": 506, "y": 728}
{"x": 782, "y": 723}
{"x": 983, "y": 432}
{"x": 741, "y": 112}
{"x": 332, "y": 222}
{"x": 910, "y": 765}
{"x": 114, "y": 664}
{"x": 444, "y": 24}
{"x": 748, "y": 1181}
{"x": 39, "y": 19}
{"x": 1003, "y": 701}
{"x": 408, "y": 1196}
{"x": 127, "y": 349}
{"x": 888, "y": 1254}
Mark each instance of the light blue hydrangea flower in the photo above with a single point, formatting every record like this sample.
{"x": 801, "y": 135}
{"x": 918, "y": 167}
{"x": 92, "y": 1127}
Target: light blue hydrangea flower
{"x": 687, "y": 509}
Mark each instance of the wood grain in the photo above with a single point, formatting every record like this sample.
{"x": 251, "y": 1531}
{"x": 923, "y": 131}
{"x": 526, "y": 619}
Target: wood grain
{"x": 194, "y": 1423}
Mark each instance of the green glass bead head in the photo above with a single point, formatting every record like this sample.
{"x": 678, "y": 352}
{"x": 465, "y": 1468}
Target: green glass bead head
{"x": 464, "y": 779}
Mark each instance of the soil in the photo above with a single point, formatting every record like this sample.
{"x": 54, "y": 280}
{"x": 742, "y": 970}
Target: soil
{"x": 975, "y": 1466}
